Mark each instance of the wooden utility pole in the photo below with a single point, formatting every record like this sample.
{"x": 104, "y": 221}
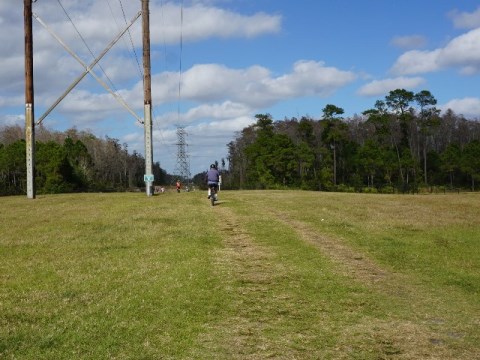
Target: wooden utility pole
{"x": 29, "y": 103}
{"x": 147, "y": 89}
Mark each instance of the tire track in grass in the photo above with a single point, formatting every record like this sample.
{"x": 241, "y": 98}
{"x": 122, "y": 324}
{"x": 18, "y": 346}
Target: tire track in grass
{"x": 251, "y": 273}
{"x": 253, "y": 277}
{"x": 397, "y": 338}
{"x": 354, "y": 264}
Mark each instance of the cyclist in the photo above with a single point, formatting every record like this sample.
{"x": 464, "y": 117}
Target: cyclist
{"x": 212, "y": 177}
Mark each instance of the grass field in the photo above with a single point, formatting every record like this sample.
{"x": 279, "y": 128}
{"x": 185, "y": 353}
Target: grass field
{"x": 264, "y": 274}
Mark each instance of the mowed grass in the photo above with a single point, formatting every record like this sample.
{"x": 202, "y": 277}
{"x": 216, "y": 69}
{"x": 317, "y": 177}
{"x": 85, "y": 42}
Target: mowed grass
{"x": 264, "y": 274}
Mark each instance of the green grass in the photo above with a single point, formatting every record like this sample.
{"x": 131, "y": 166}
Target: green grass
{"x": 264, "y": 274}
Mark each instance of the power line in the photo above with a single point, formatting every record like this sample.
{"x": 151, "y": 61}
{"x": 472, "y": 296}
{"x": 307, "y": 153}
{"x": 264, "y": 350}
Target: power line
{"x": 156, "y": 122}
{"x": 133, "y": 52}
{"x": 182, "y": 167}
{"x": 180, "y": 62}
{"x": 131, "y": 41}
{"x": 86, "y": 45}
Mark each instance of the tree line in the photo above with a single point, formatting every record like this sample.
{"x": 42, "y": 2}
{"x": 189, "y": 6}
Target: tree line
{"x": 70, "y": 161}
{"x": 402, "y": 144}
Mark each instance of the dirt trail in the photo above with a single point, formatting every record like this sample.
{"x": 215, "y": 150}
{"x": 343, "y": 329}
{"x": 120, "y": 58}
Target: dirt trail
{"x": 353, "y": 263}
{"x": 253, "y": 272}
{"x": 415, "y": 339}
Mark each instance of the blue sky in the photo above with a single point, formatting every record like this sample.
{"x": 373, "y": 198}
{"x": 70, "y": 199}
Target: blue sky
{"x": 237, "y": 59}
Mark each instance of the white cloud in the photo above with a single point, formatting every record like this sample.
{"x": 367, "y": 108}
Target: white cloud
{"x": 81, "y": 100}
{"x": 202, "y": 21}
{"x": 417, "y": 62}
{"x": 382, "y": 87}
{"x": 98, "y": 24}
{"x": 222, "y": 128}
{"x": 213, "y": 91}
{"x": 204, "y": 112}
{"x": 249, "y": 88}
{"x": 310, "y": 78}
{"x": 206, "y": 82}
{"x": 220, "y": 92}
{"x": 226, "y": 110}
{"x": 462, "y": 51}
{"x": 409, "y": 42}
{"x": 465, "y": 20}
{"x": 256, "y": 87}
{"x": 55, "y": 69}
{"x": 468, "y": 107}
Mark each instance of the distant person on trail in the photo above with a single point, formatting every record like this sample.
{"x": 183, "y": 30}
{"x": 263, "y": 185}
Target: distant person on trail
{"x": 212, "y": 178}
{"x": 178, "y": 186}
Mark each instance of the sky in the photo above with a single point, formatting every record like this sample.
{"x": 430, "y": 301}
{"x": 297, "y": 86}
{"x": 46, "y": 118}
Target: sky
{"x": 215, "y": 64}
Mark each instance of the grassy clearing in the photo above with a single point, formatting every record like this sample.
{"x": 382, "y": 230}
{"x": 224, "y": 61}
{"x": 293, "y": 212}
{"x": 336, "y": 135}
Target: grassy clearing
{"x": 265, "y": 274}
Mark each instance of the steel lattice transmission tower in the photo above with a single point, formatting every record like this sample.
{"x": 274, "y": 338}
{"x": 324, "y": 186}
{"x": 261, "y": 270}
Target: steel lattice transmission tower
{"x": 182, "y": 169}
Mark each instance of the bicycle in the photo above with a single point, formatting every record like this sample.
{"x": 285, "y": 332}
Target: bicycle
{"x": 212, "y": 193}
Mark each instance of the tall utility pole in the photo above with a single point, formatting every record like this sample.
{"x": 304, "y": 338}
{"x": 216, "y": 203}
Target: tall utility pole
{"x": 147, "y": 89}
{"x": 182, "y": 169}
{"x": 29, "y": 98}
{"x": 29, "y": 104}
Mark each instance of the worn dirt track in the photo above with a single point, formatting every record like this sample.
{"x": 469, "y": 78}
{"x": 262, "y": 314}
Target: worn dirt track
{"x": 247, "y": 262}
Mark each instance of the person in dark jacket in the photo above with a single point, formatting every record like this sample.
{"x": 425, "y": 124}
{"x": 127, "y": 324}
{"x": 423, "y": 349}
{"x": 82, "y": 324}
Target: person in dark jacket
{"x": 212, "y": 178}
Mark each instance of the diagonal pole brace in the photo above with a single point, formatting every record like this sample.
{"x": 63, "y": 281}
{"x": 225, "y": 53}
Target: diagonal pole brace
{"x": 88, "y": 69}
